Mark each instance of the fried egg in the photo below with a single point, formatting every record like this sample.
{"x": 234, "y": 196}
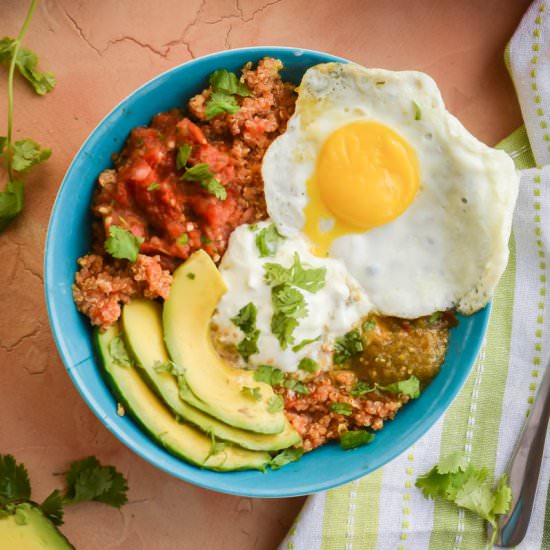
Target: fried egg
{"x": 331, "y": 309}
{"x": 375, "y": 172}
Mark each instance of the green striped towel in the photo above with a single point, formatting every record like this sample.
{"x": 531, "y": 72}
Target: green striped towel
{"x": 384, "y": 510}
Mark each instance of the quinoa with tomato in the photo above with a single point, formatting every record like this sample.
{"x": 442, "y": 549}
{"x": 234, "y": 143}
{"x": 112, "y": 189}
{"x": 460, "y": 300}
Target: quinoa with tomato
{"x": 180, "y": 184}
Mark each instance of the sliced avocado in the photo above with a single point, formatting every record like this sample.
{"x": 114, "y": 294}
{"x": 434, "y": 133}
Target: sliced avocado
{"x": 25, "y": 527}
{"x": 142, "y": 326}
{"x": 196, "y": 290}
{"x": 180, "y": 439}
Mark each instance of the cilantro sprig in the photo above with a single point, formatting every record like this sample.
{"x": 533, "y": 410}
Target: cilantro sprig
{"x": 24, "y": 154}
{"x": 454, "y": 479}
{"x": 267, "y": 240}
{"x": 347, "y": 346}
{"x": 122, "y": 244}
{"x": 86, "y": 480}
{"x": 409, "y": 387}
{"x": 225, "y": 86}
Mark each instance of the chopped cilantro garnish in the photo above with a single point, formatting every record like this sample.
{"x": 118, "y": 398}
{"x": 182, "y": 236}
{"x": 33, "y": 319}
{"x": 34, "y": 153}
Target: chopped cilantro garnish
{"x": 253, "y": 227}
{"x": 347, "y": 346}
{"x": 295, "y": 385}
{"x": 410, "y": 387}
{"x": 153, "y": 186}
{"x": 201, "y": 174}
{"x": 361, "y": 388}
{"x": 205, "y": 239}
{"x": 310, "y": 279}
{"x": 417, "y": 111}
{"x": 288, "y": 455}
{"x": 252, "y": 393}
{"x": 182, "y": 155}
{"x": 304, "y": 343}
{"x": 342, "y": 408}
{"x": 191, "y": 276}
{"x": 52, "y": 507}
{"x": 122, "y": 244}
{"x": 269, "y": 375}
{"x": 289, "y": 301}
{"x": 267, "y": 241}
{"x": 275, "y": 404}
{"x": 223, "y": 80}
{"x": 246, "y": 321}
{"x": 354, "y": 439}
{"x": 282, "y": 328}
{"x": 248, "y": 345}
{"x": 225, "y": 85}
{"x": 434, "y": 317}
{"x": 119, "y": 353}
{"x": 220, "y": 102}
{"x": 182, "y": 239}
{"x": 308, "y": 365}
{"x": 246, "y": 318}
{"x": 369, "y": 325}
{"x": 460, "y": 483}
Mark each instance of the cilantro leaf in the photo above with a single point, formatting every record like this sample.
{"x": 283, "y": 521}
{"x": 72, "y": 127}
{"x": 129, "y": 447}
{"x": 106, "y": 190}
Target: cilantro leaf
{"x": 153, "y": 186}
{"x": 345, "y": 347}
{"x": 123, "y": 244}
{"x": 295, "y": 385}
{"x": 182, "y": 155}
{"x": 288, "y": 455}
{"x": 368, "y": 325}
{"x": 289, "y": 301}
{"x": 460, "y": 483}
{"x": 246, "y": 318}
{"x": 52, "y": 507}
{"x": 282, "y": 328}
{"x": 220, "y": 102}
{"x": 434, "y": 317}
{"x": 417, "y": 111}
{"x": 224, "y": 81}
{"x": 26, "y": 153}
{"x": 275, "y": 404}
{"x": 304, "y": 343}
{"x": 308, "y": 365}
{"x": 11, "y": 202}
{"x": 410, "y": 387}
{"x": 26, "y": 62}
{"x": 14, "y": 481}
{"x": 249, "y": 345}
{"x": 362, "y": 388}
{"x": 119, "y": 353}
{"x": 355, "y": 438}
{"x": 310, "y": 279}
{"x": 276, "y": 274}
{"x": 252, "y": 393}
{"x": 269, "y": 375}
{"x": 342, "y": 408}
{"x": 267, "y": 241}
{"x": 201, "y": 174}
{"x": 88, "y": 480}
{"x": 183, "y": 239}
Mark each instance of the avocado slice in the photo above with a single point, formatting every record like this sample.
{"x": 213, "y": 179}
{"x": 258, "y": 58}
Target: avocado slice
{"x": 25, "y": 527}
{"x": 196, "y": 290}
{"x": 142, "y": 326}
{"x": 179, "y": 439}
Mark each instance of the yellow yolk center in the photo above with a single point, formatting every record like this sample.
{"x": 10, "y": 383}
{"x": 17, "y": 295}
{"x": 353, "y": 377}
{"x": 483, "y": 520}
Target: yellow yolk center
{"x": 366, "y": 175}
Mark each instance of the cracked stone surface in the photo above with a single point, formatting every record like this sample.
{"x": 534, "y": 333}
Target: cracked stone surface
{"x": 100, "y": 51}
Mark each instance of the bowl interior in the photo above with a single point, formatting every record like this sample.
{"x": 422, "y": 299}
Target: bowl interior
{"x": 69, "y": 238}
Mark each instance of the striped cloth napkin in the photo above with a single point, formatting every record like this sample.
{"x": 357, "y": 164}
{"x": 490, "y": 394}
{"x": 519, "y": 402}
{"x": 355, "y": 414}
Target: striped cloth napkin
{"x": 384, "y": 510}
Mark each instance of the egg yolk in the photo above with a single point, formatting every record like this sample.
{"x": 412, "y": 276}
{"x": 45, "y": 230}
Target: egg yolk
{"x": 366, "y": 175}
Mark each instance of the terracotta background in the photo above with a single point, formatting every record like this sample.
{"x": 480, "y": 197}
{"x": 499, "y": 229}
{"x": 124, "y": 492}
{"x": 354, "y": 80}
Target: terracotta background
{"x": 101, "y": 50}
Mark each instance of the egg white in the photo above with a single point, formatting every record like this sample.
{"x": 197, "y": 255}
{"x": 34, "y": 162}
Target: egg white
{"x": 450, "y": 247}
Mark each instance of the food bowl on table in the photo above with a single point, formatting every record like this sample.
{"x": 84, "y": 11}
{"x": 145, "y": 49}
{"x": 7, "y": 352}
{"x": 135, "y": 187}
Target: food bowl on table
{"x": 69, "y": 237}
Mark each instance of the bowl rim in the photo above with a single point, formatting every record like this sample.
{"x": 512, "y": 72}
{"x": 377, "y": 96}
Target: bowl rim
{"x": 408, "y": 438}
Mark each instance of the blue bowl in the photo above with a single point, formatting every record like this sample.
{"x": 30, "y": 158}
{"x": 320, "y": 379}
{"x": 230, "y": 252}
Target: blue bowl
{"x": 69, "y": 238}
